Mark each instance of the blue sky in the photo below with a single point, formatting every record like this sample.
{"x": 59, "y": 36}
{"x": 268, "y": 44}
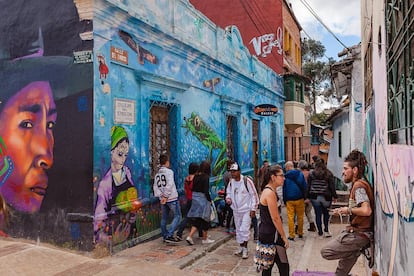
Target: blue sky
{"x": 343, "y": 18}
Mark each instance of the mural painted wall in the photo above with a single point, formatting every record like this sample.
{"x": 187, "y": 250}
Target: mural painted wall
{"x": 46, "y": 120}
{"x": 259, "y": 22}
{"x": 392, "y": 164}
{"x": 78, "y": 126}
{"x": 145, "y": 64}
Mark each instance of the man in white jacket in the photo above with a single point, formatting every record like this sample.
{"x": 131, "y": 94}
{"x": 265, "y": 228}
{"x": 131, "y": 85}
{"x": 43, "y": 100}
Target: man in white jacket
{"x": 243, "y": 199}
{"x": 165, "y": 189}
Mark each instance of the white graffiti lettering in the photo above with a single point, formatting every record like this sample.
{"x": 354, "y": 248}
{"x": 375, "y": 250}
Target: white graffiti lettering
{"x": 264, "y": 44}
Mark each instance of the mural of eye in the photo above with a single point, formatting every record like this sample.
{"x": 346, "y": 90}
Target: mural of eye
{"x": 197, "y": 122}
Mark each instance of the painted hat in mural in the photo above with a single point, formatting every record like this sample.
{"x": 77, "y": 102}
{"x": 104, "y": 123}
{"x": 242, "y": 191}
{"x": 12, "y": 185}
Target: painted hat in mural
{"x": 65, "y": 77}
{"x": 117, "y": 134}
{"x": 234, "y": 167}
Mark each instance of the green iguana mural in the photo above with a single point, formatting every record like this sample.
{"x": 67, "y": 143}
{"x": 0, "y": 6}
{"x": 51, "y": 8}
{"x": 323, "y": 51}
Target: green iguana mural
{"x": 208, "y": 138}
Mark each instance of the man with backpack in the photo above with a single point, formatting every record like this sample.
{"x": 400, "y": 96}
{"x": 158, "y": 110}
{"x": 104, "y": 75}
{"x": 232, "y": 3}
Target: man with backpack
{"x": 242, "y": 196}
{"x": 294, "y": 197}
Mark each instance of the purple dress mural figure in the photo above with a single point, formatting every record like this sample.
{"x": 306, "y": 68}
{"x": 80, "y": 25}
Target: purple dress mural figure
{"x": 116, "y": 203}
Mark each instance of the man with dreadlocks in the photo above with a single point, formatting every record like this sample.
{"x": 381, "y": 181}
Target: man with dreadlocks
{"x": 348, "y": 245}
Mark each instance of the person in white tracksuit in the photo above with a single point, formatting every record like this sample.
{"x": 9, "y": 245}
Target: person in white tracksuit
{"x": 243, "y": 200}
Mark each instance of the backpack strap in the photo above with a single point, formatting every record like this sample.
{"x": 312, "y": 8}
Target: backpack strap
{"x": 245, "y": 183}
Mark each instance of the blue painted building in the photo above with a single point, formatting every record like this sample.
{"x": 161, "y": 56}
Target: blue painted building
{"x": 190, "y": 88}
{"x": 165, "y": 80}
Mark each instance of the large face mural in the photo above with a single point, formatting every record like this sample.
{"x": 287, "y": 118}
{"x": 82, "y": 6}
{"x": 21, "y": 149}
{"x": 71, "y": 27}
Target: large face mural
{"x": 30, "y": 115}
{"x": 40, "y": 71}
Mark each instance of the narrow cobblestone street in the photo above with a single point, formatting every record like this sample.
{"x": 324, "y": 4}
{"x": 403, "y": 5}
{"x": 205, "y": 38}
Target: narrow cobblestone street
{"x": 157, "y": 258}
{"x": 303, "y": 255}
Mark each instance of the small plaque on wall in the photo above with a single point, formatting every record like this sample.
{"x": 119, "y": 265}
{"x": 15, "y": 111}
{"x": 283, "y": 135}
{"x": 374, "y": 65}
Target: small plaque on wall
{"x": 82, "y": 57}
{"x": 119, "y": 55}
{"x": 124, "y": 111}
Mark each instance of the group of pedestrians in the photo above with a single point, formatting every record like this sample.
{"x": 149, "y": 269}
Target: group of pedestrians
{"x": 299, "y": 188}
{"x": 240, "y": 197}
{"x": 196, "y": 208}
{"x": 305, "y": 189}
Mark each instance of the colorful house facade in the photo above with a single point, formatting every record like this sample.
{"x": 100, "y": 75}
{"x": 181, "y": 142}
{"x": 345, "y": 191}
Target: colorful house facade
{"x": 149, "y": 78}
{"x": 387, "y": 62}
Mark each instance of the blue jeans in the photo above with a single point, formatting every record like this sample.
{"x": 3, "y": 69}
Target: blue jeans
{"x": 184, "y": 221}
{"x": 174, "y": 208}
{"x": 321, "y": 205}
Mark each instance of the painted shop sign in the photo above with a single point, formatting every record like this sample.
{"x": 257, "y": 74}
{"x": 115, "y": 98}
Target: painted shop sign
{"x": 124, "y": 111}
{"x": 119, "y": 55}
{"x": 265, "y": 110}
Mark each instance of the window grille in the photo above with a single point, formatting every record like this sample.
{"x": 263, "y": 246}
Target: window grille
{"x": 274, "y": 142}
{"x": 159, "y": 134}
{"x": 340, "y": 144}
{"x": 400, "y": 70}
{"x": 231, "y": 137}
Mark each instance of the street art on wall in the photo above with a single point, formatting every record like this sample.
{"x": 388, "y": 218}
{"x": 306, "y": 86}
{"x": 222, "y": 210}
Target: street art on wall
{"x": 117, "y": 198}
{"x": 206, "y": 135}
{"x": 142, "y": 53}
{"x": 28, "y": 116}
{"x": 6, "y": 164}
{"x": 45, "y": 81}
{"x": 264, "y": 44}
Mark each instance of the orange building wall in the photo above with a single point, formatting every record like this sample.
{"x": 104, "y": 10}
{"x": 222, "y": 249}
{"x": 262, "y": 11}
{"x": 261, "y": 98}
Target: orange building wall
{"x": 292, "y": 56}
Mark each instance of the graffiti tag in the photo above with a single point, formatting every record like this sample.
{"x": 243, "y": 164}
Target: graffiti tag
{"x": 358, "y": 107}
{"x": 264, "y": 44}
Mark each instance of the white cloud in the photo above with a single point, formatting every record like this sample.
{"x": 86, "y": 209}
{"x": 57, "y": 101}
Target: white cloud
{"x": 342, "y": 17}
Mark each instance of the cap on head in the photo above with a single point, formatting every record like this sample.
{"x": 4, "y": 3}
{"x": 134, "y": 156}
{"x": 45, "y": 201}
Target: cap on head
{"x": 117, "y": 133}
{"x": 234, "y": 167}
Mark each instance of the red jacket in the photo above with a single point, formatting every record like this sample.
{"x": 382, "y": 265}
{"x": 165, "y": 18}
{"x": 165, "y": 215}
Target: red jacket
{"x": 188, "y": 187}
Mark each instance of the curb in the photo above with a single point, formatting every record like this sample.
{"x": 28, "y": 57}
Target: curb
{"x": 200, "y": 252}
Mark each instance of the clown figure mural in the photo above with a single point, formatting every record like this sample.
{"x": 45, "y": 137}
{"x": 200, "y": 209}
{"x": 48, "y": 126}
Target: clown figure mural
{"x": 117, "y": 197}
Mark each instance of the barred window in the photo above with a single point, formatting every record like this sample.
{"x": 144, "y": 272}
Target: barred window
{"x": 274, "y": 145}
{"x": 231, "y": 137}
{"x": 400, "y": 70}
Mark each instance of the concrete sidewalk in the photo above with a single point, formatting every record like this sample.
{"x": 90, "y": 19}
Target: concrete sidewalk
{"x": 20, "y": 257}
{"x": 23, "y": 257}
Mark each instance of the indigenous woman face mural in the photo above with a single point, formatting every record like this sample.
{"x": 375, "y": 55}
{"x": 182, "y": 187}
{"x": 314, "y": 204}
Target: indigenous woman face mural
{"x": 26, "y": 127}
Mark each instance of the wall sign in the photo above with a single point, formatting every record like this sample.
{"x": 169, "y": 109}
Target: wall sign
{"x": 124, "y": 111}
{"x": 119, "y": 55}
{"x": 265, "y": 109}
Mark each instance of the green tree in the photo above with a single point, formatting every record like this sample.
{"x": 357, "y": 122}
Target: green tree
{"x": 316, "y": 69}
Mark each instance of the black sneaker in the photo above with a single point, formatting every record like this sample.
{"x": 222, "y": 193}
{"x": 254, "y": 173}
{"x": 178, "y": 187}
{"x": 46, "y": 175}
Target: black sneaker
{"x": 368, "y": 252}
{"x": 291, "y": 239}
{"x": 179, "y": 237}
{"x": 171, "y": 240}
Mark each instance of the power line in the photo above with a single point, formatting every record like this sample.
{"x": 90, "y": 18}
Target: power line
{"x": 322, "y": 23}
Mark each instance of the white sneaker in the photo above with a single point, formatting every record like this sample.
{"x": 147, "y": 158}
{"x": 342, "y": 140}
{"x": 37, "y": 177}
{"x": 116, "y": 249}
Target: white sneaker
{"x": 190, "y": 241}
{"x": 245, "y": 253}
{"x": 327, "y": 234}
{"x": 239, "y": 252}
{"x": 207, "y": 241}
